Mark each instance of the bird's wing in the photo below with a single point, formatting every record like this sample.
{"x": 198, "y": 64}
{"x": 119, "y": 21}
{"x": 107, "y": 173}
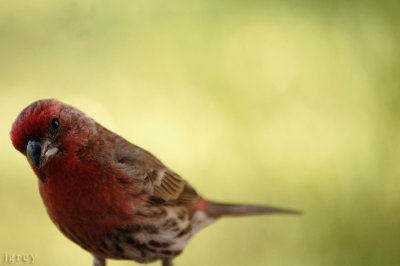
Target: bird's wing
{"x": 172, "y": 189}
{"x": 167, "y": 185}
{"x": 144, "y": 169}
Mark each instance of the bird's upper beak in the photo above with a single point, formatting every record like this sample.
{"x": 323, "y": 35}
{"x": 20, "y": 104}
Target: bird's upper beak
{"x": 40, "y": 153}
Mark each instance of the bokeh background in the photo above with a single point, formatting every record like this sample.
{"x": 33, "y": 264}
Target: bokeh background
{"x": 288, "y": 103}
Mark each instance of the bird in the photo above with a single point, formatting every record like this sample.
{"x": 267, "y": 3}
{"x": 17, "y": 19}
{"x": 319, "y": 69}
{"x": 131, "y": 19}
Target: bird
{"x": 109, "y": 196}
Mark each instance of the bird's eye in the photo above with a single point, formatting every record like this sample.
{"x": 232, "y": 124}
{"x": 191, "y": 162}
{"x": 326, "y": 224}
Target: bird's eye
{"x": 55, "y": 123}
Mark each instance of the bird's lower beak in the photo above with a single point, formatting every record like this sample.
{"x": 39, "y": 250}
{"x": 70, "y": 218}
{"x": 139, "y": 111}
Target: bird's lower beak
{"x": 40, "y": 153}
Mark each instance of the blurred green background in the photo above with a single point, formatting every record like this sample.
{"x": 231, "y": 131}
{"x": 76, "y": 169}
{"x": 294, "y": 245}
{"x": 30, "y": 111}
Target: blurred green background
{"x": 288, "y": 103}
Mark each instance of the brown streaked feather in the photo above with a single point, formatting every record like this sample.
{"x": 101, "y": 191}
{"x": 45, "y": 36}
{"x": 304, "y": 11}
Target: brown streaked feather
{"x": 188, "y": 196}
{"x": 177, "y": 193}
{"x": 144, "y": 169}
{"x": 168, "y": 186}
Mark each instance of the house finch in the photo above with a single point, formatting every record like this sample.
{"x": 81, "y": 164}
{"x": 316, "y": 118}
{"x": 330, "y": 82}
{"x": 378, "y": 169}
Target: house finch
{"x": 111, "y": 197}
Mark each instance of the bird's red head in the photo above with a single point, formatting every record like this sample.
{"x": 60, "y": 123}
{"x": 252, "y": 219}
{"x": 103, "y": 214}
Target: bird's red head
{"x": 48, "y": 128}
{"x": 33, "y": 123}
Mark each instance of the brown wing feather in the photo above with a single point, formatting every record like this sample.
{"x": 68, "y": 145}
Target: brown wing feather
{"x": 168, "y": 186}
{"x": 145, "y": 170}
{"x": 173, "y": 189}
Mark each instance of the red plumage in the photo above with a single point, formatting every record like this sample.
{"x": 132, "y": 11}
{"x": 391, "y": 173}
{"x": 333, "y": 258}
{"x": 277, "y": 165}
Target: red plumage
{"x": 109, "y": 196}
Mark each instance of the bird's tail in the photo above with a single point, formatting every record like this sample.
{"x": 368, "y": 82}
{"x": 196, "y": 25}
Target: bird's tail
{"x": 215, "y": 209}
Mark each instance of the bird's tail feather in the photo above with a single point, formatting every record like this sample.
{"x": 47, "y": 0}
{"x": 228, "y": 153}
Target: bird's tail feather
{"x": 216, "y": 209}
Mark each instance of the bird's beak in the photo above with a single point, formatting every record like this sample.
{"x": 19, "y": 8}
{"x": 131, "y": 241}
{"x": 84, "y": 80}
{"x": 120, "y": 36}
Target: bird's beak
{"x": 40, "y": 153}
